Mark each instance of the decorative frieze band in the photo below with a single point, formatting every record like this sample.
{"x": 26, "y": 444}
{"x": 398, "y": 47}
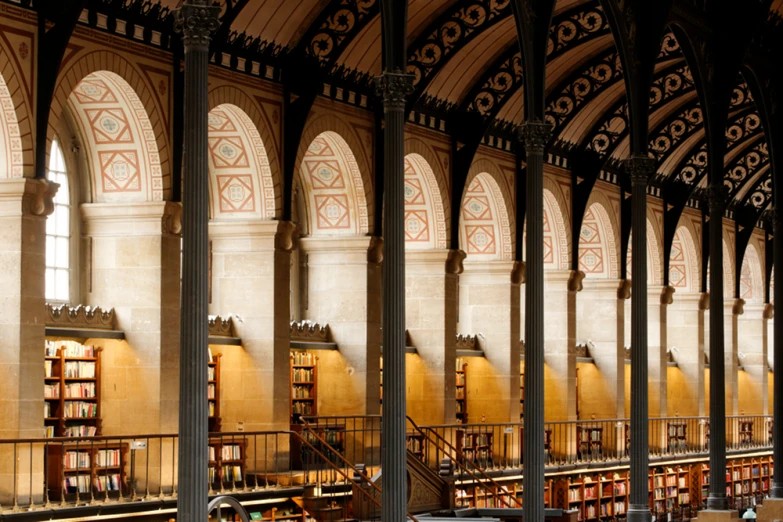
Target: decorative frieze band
{"x": 309, "y": 332}
{"x": 221, "y": 326}
{"x": 79, "y": 316}
{"x": 467, "y": 342}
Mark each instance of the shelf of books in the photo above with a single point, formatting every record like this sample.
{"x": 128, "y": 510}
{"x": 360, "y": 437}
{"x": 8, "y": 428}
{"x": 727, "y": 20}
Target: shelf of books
{"x": 477, "y": 446}
{"x": 462, "y": 391}
{"x": 747, "y": 481}
{"x": 670, "y": 493}
{"x": 72, "y": 389}
{"x": 304, "y": 384}
{"x": 227, "y": 462}
{"x": 328, "y": 439}
{"x": 594, "y": 497}
{"x": 745, "y": 432}
{"x": 89, "y": 470}
{"x": 521, "y": 391}
{"x": 590, "y": 440}
{"x": 676, "y": 436}
{"x": 414, "y": 442}
{"x": 213, "y": 391}
{"x": 473, "y": 497}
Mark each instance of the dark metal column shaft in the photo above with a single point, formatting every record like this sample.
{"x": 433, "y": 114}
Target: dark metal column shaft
{"x": 717, "y": 499}
{"x": 394, "y": 86}
{"x": 196, "y": 21}
{"x": 776, "y": 491}
{"x": 639, "y": 168}
{"x": 536, "y": 135}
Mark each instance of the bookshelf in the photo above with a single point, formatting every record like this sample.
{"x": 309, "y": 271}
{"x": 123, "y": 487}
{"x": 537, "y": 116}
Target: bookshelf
{"x": 304, "y": 384}
{"x": 72, "y": 389}
{"x": 745, "y": 431}
{"x": 414, "y": 441}
{"x": 303, "y": 456}
{"x": 747, "y": 481}
{"x": 477, "y": 446}
{"x": 590, "y": 440}
{"x": 676, "y": 436}
{"x": 596, "y": 497}
{"x": 213, "y": 392}
{"x": 670, "y": 492}
{"x": 462, "y": 391}
{"x": 227, "y": 462}
{"x": 472, "y": 497}
{"x": 89, "y": 470}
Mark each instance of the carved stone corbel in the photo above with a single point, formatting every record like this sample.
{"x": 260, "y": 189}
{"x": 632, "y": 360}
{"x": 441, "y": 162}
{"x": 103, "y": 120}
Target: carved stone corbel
{"x": 171, "y": 222}
{"x": 667, "y": 295}
{"x": 739, "y": 307}
{"x": 769, "y": 311}
{"x": 518, "y": 273}
{"x": 307, "y": 331}
{"x": 375, "y": 251}
{"x": 454, "y": 262}
{"x": 624, "y": 290}
{"x": 285, "y": 239}
{"x": 575, "y": 281}
{"x": 220, "y": 326}
{"x": 79, "y": 316}
{"x": 704, "y": 301}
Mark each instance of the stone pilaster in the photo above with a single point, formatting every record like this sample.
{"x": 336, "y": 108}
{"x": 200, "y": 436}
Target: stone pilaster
{"x": 431, "y": 317}
{"x": 685, "y": 386}
{"x": 717, "y": 499}
{"x": 776, "y": 489}
{"x": 343, "y": 291}
{"x": 561, "y": 288}
{"x": 639, "y": 168}
{"x": 733, "y": 309}
{"x": 489, "y": 307}
{"x": 251, "y": 280}
{"x": 752, "y": 349}
{"x": 658, "y": 300}
{"x": 394, "y": 86}
{"x": 132, "y": 263}
{"x": 196, "y": 21}
{"x": 24, "y": 205}
{"x": 601, "y": 313}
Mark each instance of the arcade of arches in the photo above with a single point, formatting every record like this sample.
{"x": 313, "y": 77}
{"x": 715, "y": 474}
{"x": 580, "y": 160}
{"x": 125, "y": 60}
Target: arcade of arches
{"x": 295, "y": 219}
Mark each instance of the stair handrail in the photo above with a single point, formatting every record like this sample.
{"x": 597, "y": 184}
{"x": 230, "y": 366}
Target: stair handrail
{"x": 347, "y": 463}
{"x": 461, "y": 455}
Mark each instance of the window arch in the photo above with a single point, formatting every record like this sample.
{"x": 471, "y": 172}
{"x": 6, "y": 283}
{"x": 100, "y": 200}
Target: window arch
{"x": 58, "y": 231}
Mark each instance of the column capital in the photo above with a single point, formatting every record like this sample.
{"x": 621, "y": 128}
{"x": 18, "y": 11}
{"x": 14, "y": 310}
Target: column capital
{"x": 196, "y": 20}
{"x": 575, "y": 281}
{"x": 535, "y": 134}
{"x": 704, "y": 301}
{"x": 667, "y": 295}
{"x": 27, "y": 197}
{"x": 624, "y": 290}
{"x": 738, "y": 307}
{"x": 394, "y": 86}
{"x": 716, "y": 197}
{"x": 375, "y": 250}
{"x": 518, "y": 273}
{"x": 640, "y": 168}
{"x": 454, "y": 262}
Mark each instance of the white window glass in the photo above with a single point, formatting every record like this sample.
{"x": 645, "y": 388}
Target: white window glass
{"x": 58, "y": 231}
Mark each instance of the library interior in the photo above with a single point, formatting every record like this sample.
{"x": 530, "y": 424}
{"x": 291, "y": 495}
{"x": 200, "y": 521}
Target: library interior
{"x": 353, "y": 260}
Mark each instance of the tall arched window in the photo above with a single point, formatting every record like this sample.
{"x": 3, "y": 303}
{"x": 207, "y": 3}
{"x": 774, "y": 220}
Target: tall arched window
{"x": 58, "y": 231}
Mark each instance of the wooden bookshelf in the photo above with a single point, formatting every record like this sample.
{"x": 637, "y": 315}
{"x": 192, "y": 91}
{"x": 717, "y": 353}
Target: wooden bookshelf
{"x": 670, "y": 492}
{"x": 304, "y": 384}
{"x": 477, "y": 446}
{"x": 747, "y": 481}
{"x": 676, "y": 436}
{"x": 72, "y": 389}
{"x": 745, "y": 432}
{"x": 462, "y": 391}
{"x": 595, "y": 497}
{"x": 303, "y": 456}
{"x": 414, "y": 441}
{"x": 227, "y": 458}
{"x": 213, "y": 392}
{"x": 472, "y": 497}
{"x": 89, "y": 470}
{"x": 590, "y": 441}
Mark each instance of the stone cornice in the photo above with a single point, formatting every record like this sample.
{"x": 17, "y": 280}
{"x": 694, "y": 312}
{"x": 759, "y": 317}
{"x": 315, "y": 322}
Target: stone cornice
{"x": 79, "y": 316}
{"x": 132, "y": 219}
{"x": 27, "y": 197}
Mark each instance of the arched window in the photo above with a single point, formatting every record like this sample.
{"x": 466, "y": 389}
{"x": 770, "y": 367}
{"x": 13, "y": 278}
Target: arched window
{"x": 58, "y": 231}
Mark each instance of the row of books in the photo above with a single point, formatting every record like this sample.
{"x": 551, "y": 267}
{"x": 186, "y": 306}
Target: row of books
{"x": 102, "y": 483}
{"x": 79, "y": 370}
{"x": 107, "y": 482}
{"x": 80, "y": 410}
{"x": 108, "y": 458}
{"x": 303, "y": 375}
{"x": 211, "y": 373}
{"x": 303, "y": 408}
{"x": 301, "y": 392}
{"x": 48, "y": 368}
{"x": 51, "y": 391}
{"x": 83, "y": 390}
{"x": 76, "y": 460}
{"x": 211, "y": 391}
{"x": 303, "y": 358}
{"x": 79, "y": 431}
{"x": 69, "y": 348}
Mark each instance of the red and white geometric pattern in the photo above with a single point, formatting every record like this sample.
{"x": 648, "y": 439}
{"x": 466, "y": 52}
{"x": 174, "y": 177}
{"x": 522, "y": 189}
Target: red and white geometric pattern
{"x": 333, "y": 187}
{"x": 11, "y": 159}
{"x": 484, "y": 224}
{"x": 751, "y": 280}
{"x": 119, "y": 139}
{"x": 240, "y": 183}
{"x": 425, "y": 224}
{"x": 678, "y": 274}
{"x": 591, "y": 246}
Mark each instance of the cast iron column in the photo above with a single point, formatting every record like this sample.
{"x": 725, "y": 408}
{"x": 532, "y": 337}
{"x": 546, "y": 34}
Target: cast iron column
{"x": 536, "y": 135}
{"x": 717, "y": 499}
{"x": 639, "y": 168}
{"x": 196, "y": 21}
{"x": 776, "y": 491}
{"x": 394, "y": 86}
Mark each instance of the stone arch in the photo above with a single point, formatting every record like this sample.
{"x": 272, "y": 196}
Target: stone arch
{"x": 599, "y": 239}
{"x": 231, "y": 95}
{"x": 751, "y": 279}
{"x": 556, "y": 240}
{"x": 684, "y": 262}
{"x": 425, "y": 221}
{"x": 505, "y": 216}
{"x": 240, "y": 179}
{"x": 116, "y": 134}
{"x": 17, "y": 156}
{"x": 332, "y": 188}
{"x": 146, "y": 103}
{"x": 415, "y": 145}
{"x": 356, "y": 163}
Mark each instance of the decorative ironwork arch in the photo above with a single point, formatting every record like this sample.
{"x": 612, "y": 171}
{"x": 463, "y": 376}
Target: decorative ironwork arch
{"x": 336, "y": 26}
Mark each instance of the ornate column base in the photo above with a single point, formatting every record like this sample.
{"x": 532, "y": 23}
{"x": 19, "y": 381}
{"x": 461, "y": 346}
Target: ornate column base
{"x": 639, "y": 513}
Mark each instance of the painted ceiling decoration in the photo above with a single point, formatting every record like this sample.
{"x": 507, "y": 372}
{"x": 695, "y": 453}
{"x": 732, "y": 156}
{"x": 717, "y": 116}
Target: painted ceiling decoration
{"x": 484, "y": 224}
{"x": 425, "y": 220}
{"x": 11, "y": 162}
